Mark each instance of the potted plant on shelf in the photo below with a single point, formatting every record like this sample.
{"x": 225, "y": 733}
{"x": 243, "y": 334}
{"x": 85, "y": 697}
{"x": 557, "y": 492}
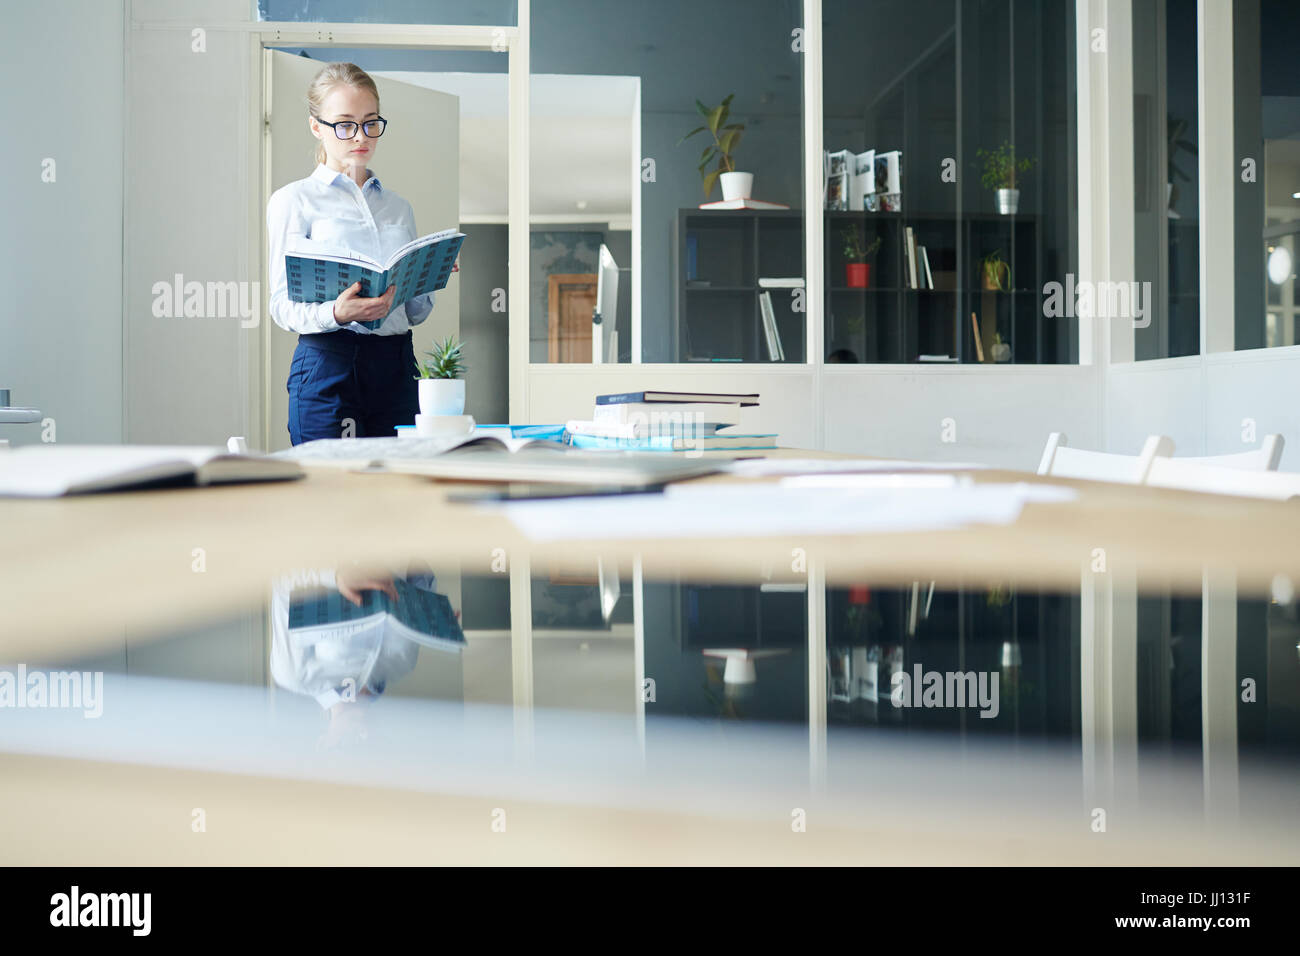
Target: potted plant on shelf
{"x": 1001, "y": 350}
{"x": 735, "y": 185}
{"x": 995, "y": 273}
{"x": 1002, "y": 173}
{"x": 857, "y": 270}
{"x": 442, "y": 390}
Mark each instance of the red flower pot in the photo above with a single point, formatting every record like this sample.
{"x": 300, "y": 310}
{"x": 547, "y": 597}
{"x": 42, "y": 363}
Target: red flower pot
{"x": 857, "y": 275}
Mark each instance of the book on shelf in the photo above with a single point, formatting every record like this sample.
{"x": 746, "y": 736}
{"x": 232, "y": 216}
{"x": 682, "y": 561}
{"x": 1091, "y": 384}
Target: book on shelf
{"x": 656, "y": 443}
{"x": 790, "y": 282}
{"x": 773, "y": 335}
{"x": 53, "y": 470}
{"x": 422, "y": 265}
{"x": 654, "y": 396}
{"x": 928, "y": 276}
{"x": 979, "y": 343}
{"x": 743, "y": 204}
{"x": 721, "y": 415}
{"x": 909, "y": 251}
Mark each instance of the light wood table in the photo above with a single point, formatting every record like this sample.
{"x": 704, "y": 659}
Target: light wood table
{"x": 156, "y": 560}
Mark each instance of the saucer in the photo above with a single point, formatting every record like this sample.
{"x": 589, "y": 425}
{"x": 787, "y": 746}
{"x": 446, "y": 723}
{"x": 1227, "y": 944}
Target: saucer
{"x": 443, "y": 426}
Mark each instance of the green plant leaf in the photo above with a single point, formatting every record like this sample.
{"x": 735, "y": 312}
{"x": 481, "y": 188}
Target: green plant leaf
{"x": 715, "y": 117}
{"x": 704, "y": 110}
{"x": 710, "y": 179}
{"x": 708, "y": 151}
{"x": 698, "y": 129}
{"x": 728, "y": 141}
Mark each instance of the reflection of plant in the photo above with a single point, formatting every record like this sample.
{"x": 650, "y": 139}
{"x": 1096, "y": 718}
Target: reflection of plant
{"x": 725, "y": 137}
{"x": 1175, "y": 128}
{"x": 1001, "y": 168}
{"x": 859, "y": 619}
{"x": 444, "y": 360}
{"x": 998, "y": 595}
{"x": 856, "y": 248}
{"x": 997, "y": 272}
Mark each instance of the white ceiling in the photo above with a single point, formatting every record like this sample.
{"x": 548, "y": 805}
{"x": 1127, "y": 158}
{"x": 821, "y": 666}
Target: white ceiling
{"x": 581, "y": 142}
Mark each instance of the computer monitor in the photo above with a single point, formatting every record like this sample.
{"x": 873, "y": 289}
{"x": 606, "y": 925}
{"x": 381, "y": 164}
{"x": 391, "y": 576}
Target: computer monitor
{"x": 604, "y": 320}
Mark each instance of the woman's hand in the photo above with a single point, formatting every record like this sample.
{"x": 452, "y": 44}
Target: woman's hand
{"x": 351, "y": 306}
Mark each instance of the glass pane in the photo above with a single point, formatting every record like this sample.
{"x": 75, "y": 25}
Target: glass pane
{"x": 1165, "y": 304}
{"x": 949, "y": 180}
{"x": 1266, "y": 114}
{"x": 620, "y": 162}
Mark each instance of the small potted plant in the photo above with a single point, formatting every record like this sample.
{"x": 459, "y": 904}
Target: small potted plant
{"x": 1002, "y": 173}
{"x": 1001, "y": 350}
{"x": 442, "y": 390}
{"x": 857, "y": 270}
{"x": 735, "y": 185}
{"x": 995, "y": 273}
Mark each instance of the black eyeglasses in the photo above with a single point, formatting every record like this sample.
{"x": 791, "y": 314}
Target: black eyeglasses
{"x": 346, "y": 129}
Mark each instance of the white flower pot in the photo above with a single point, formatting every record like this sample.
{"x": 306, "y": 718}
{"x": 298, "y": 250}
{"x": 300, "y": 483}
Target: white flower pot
{"x": 1008, "y": 201}
{"x": 737, "y": 185}
{"x": 442, "y": 396}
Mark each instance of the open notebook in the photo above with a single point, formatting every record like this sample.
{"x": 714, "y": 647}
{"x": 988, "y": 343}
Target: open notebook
{"x": 500, "y": 457}
{"x": 48, "y": 471}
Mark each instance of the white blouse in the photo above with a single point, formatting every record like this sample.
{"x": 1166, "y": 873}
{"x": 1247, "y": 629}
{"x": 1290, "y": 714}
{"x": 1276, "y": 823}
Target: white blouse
{"x": 328, "y": 212}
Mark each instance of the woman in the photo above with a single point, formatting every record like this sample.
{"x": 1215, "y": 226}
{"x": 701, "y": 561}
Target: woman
{"x": 345, "y": 380}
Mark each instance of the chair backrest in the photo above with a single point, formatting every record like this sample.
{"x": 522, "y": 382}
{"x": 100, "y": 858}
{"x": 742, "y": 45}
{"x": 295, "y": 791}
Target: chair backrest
{"x": 1065, "y": 462}
{"x": 1253, "y": 473}
{"x": 1264, "y": 458}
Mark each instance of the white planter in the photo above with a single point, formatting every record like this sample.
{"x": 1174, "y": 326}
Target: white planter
{"x": 1001, "y": 352}
{"x": 737, "y": 185}
{"x": 442, "y": 396}
{"x": 1008, "y": 201}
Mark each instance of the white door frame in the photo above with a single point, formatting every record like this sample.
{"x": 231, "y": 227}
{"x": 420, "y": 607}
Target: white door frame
{"x": 510, "y": 40}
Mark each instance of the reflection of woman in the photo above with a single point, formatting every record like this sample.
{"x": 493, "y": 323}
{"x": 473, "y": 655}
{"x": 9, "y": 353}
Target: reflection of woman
{"x": 343, "y": 374}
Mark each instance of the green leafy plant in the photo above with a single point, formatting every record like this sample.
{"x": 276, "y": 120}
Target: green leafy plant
{"x": 725, "y": 135}
{"x": 1001, "y": 168}
{"x": 856, "y": 248}
{"x": 997, "y": 271}
{"x": 444, "y": 360}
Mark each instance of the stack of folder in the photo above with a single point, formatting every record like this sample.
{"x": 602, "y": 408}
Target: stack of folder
{"x": 667, "y": 421}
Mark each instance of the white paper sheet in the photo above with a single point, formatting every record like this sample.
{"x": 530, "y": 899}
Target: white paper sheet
{"x": 766, "y": 467}
{"x": 695, "y": 511}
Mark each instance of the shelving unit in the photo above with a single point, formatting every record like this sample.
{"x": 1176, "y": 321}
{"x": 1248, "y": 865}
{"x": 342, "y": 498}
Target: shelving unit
{"x": 717, "y": 306}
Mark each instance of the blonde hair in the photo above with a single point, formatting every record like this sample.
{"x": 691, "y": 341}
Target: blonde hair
{"x": 330, "y": 76}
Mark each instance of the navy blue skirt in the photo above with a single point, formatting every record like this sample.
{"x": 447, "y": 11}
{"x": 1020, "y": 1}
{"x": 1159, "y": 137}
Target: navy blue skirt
{"x": 348, "y": 385}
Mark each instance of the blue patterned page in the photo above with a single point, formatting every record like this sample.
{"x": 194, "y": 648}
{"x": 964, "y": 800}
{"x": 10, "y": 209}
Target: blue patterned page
{"x": 425, "y": 268}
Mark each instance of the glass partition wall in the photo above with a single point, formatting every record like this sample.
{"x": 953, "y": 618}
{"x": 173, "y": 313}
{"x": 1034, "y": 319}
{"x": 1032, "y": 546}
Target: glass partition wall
{"x": 950, "y": 181}
{"x": 666, "y": 182}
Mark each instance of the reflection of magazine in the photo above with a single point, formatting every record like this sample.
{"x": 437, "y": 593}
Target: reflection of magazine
{"x": 418, "y": 615}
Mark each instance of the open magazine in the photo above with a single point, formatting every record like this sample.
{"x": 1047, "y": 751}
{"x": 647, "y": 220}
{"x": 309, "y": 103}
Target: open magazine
{"x": 499, "y": 457}
{"x": 422, "y": 265}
